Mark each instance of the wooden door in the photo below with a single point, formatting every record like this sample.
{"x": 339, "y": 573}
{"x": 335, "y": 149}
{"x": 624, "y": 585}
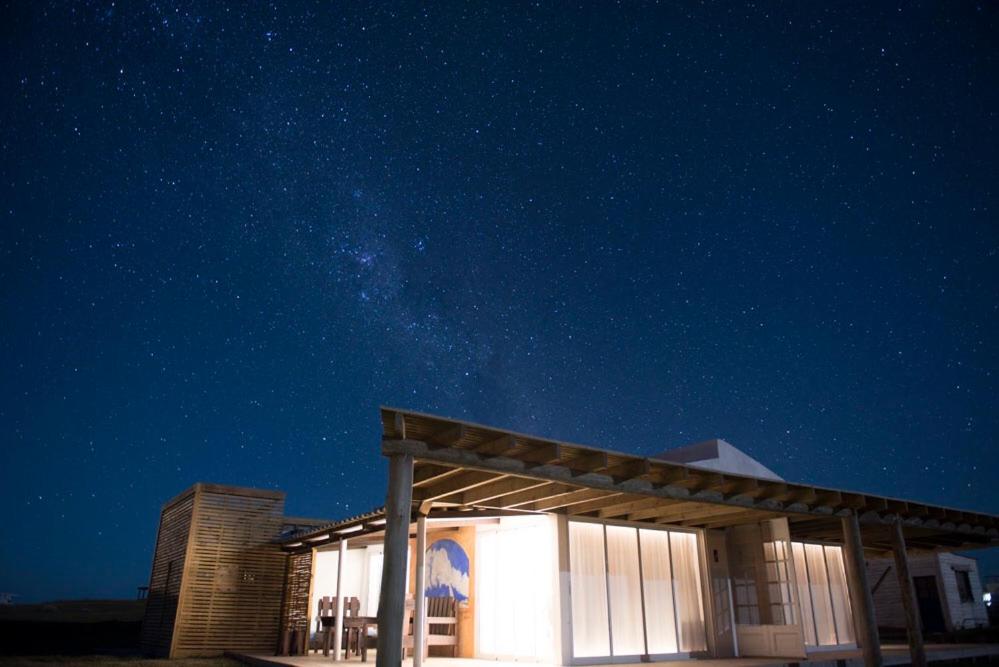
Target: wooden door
{"x": 723, "y": 618}
{"x": 928, "y": 599}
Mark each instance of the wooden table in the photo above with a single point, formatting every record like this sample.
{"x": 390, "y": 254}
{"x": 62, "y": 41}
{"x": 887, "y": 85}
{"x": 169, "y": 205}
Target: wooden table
{"x": 360, "y": 625}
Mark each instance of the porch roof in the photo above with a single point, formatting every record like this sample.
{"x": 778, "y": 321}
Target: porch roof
{"x": 465, "y": 466}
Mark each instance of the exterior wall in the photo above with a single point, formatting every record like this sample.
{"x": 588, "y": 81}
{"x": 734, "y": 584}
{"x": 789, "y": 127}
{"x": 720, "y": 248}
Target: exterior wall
{"x": 957, "y": 615}
{"x": 465, "y": 537}
{"x": 230, "y": 578}
{"x": 297, "y": 590}
{"x": 961, "y": 614}
{"x": 165, "y": 580}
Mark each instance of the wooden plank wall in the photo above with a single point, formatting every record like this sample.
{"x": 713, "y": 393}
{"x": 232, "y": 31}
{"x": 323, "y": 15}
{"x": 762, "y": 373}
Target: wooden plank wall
{"x": 230, "y": 598}
{"x": 888, "y": 597}
{"x": 962, "y": 614}
{"x": 297, "y": 590}
{"x": 165, "y": 579}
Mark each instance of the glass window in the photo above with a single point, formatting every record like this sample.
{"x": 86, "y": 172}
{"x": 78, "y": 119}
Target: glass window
{"x": 657, "y": 585}
{"x": 964, "y": 586}
{"x": 588, "y": 582}
{"x": 624, "y": 589}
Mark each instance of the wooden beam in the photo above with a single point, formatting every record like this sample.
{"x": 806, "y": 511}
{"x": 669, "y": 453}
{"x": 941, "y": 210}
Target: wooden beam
{"x": 501, "y": 487}
{"x": 543, "y": 454}
{"x": 392, "y": 597}
{"x": 623, "y": 472}
{"x": 589, "y": 462}
{"x": 427, "y": 474}
{"x": 448, "y": 437}
{"x": 627, "y": 506}
{"x": 528, "y": 496}
{"x": 463, "y": 481}
{"x": 500, "y": 446}
{"x": 917, "y": 652}
{"x": 575, "y": 497}
{"x": 861, "y": 600}
{"x": 607, "y": 500}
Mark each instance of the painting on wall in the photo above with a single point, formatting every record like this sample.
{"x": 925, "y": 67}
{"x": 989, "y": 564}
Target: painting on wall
{"x": 447, "y": 571}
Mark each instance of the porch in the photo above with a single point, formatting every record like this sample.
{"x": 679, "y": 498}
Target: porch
{"x": 646, "y": 560}
{"x": 893, "y": 654}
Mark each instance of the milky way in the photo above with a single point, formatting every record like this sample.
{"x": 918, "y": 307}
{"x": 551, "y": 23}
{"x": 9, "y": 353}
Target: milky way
{"x": 231, "y": 233}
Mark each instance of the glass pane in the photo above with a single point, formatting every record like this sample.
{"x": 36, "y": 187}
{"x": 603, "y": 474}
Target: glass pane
{"x": 687, "y": 588}
{"x": 819, "y": 585}
{"x": 840, "y": 595}
{"x": 624, "y": 587}
{"x": 588, "y": 583}
{"x": 657, "y": 583}
{"x": 804, "y": 594}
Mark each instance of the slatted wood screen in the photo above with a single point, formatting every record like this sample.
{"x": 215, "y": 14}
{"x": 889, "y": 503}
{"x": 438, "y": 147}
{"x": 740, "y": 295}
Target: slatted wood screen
{"x": 165, "y": 580}
{"x": 232, "y": 579}
{"x": 295, "y": 609}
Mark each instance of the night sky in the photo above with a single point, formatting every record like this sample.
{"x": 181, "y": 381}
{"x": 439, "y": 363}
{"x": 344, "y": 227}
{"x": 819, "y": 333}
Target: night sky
{"x": 229, "y": 234}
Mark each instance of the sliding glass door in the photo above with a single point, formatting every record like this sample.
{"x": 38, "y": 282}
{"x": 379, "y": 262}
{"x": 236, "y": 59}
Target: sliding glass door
{"x": 825, "y": 600}
{"x": 634, "y": 591}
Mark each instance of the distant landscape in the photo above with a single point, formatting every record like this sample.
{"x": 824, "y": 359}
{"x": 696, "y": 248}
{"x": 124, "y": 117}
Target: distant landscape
{"x": 71, "y": 627}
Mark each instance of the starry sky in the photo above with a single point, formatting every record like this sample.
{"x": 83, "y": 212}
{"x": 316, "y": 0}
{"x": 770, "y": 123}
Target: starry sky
{"x": 229, "y": 233}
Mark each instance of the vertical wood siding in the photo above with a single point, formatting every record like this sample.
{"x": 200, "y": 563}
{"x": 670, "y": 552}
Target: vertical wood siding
{"x": 167, "y": 571}
{"x": 229, "y": 574}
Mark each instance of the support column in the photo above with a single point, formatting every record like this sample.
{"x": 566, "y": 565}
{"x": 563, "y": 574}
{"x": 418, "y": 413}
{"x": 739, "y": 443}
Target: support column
{"x": 861, "y": 600}
{"x": 420, "y": 600}
{"x": 338, "y": 621}
{"x": 392, "y": 597}
{"x": 912, "y": 622}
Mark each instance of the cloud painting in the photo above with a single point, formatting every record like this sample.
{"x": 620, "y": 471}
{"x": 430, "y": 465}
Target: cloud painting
{"x": 447, "y": 571}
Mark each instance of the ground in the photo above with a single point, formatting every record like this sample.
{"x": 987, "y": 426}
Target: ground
{"x": 111, "y": 661}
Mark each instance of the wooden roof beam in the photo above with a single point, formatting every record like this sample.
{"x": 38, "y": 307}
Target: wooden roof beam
{"x": 450, "y": 436}
{"x": 500, "y": 446}
{"x": 528, "y": 496}
{"x": 607, "y": 500}
{"x": 589, "y": 462}
{"x": 426, "y": 474}
{"x": 498, "y": 488}
{"x": 459, "y": 483}
{"x": 697, "y": 513}
{"x": 545, "y": 453}
{"x": 627, "y": 507}
{"x": 724, "y": 518}
{"x": 623, "y": 472}
{"x": 577, "y": 497}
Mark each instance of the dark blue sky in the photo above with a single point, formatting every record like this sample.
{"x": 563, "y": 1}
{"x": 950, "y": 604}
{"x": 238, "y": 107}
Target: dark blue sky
{"x": 229, "y": 234}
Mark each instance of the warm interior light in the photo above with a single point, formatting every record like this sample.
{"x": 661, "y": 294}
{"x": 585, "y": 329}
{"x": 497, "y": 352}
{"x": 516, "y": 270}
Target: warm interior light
{"x": 350, "y": 529}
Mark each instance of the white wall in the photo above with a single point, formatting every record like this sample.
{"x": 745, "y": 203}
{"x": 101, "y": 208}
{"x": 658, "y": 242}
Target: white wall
{"x": 361, "y": 578}
{"x": 957, "y": 615}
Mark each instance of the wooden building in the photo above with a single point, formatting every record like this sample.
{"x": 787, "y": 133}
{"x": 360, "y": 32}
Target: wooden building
{"x": 551, "y": 552}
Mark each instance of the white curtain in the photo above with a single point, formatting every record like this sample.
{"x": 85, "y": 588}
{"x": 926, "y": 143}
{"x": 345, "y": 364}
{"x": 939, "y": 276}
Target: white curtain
{"x": 657, "y": 584}
{"x": 687, "y": 591}
{"x": 624, "y": 588}
{"x": 840, "y": 595}
{"x": 804, "y": 592}
{"x": 818, "y": 582}
{"x": 588, "y": 581}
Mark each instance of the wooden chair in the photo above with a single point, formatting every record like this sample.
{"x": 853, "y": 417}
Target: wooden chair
{"x": 441, "y": 625}
{"x": 326, "y": 621}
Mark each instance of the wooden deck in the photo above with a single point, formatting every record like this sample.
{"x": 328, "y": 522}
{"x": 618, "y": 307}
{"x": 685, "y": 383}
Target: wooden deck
{"x": 894, "y": 654}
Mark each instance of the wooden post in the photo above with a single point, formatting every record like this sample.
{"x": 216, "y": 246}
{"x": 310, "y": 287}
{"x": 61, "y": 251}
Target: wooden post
{"x": 861, "y": 599}
{"x": 912, "y": 623}
{"x": 420, "y": 602}
{"x": 392, "y": 597}
{"x": 338, "y": 621}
